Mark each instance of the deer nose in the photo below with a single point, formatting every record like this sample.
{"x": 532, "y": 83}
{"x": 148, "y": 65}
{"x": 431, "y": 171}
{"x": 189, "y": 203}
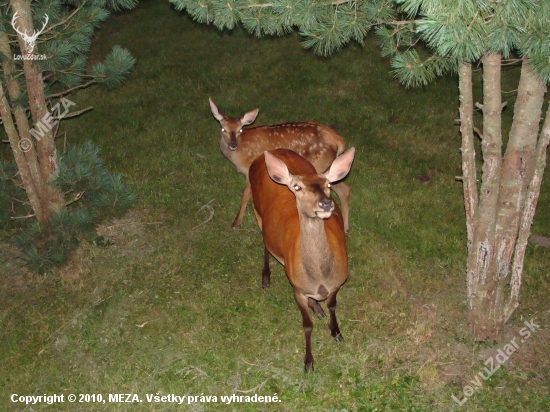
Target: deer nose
{"x": 325, "y": 204}
{"x": 232, "y": 141}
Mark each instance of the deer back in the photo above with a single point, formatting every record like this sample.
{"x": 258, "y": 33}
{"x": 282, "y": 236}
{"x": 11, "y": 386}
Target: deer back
{"x": 319, "y": 144}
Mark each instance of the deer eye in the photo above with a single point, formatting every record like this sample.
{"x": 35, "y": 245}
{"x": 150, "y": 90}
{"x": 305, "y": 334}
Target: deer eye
{"x": 223, "y": 129}
{"x": 297, "y": 188}
{"x": 328, "y": 185}
{"x": 240, "y": 130}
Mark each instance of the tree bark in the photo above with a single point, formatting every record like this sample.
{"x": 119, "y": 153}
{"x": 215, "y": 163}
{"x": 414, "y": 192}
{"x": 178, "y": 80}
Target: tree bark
{"x": 469, "y": 179}
{"x": 482, "y": 252}
{"x": 507, "y": 199}
{"x": 23, "y": 167}
{"x": 529, "y": 206}
{"x": 42, "y": 162}
{"x": 23, "y": 137}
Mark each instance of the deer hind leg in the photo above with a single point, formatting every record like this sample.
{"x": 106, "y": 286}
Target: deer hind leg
{"x": 333, "y": 325}
{"x": 315, "y": 307}
{"x": 307, "y": 324}
{"x": 343, "y": 191}
{"x": 266, "y": 272}
{"x": 247, "y": 194}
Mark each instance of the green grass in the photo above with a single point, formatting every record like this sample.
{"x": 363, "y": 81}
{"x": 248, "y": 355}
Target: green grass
{"x": 176, "y": 306}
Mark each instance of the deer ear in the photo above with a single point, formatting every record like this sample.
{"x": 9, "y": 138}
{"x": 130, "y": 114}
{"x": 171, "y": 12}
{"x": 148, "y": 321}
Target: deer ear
{"x": 277, "y": 169}
{"x": 218, "y": 114}
{"x": 341, "y": 166}
{"x": 249, "y": 117}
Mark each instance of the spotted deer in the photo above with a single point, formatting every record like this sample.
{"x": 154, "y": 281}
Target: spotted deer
{"x": 319, "y": 144}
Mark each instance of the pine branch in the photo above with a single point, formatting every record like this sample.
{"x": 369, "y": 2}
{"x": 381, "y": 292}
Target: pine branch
{"x": 332, "y": 3}
{"x": 73, "y": 114}
{"x": 61, "y": 22}
{"x": 23, "y": 217}
{"x": 402, "y": 22}
{"x": 66, "y": 92}
{"x": 75, "y": 198}
{"x": 261, "y": 6}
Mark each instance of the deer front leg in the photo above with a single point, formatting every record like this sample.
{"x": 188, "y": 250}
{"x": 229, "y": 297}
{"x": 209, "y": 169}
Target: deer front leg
{"x": 247, "y": 194}
{"x": 307, "y": 324}
{"x": 266, "y": 272}
{"x": 333, "y": 325}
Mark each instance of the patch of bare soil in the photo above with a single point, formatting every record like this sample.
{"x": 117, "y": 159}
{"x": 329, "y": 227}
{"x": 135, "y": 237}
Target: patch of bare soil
{"x": 127, "y": 236}
{"x": 10, "y": 258}
{"x": 437, "y": 345}
{"x": 12, "y": 271}
{"x": 124, "y": 237}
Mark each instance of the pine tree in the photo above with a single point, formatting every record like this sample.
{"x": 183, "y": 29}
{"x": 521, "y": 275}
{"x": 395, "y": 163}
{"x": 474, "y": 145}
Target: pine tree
{"x": 43, "y": 49}
{"x": 499, "y": 212}
{"x": 456, "y": 34}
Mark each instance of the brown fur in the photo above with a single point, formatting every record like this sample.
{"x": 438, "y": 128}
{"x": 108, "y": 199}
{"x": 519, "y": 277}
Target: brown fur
{"x": 313, "y": 250}
{"x": 317, "y": 143}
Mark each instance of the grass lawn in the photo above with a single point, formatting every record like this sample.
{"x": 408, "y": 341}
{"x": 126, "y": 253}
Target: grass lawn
{"x": 175, "y": 304}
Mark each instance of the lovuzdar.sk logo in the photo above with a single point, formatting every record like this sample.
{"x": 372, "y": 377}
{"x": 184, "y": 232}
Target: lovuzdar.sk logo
{"x": 30, "y": 41}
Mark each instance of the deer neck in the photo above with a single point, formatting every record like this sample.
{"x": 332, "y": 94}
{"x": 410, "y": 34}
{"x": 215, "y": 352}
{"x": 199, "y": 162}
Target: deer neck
{"x": 317, "y": 260}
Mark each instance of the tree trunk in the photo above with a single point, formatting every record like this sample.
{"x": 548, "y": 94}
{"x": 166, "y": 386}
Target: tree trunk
{"x": 499, "y": 226}
{"x": 23, "y": 167}
{"x": 469, "y": 179}
{"x": 26, "y": 160}
{"x": 39, "y": 154}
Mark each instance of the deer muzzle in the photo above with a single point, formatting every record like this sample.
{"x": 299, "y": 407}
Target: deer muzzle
{"x": 233, "y": 141}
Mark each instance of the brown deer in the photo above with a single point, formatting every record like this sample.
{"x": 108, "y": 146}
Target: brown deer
{"x": 303, "y": 230}
{"x": 317, "y": 143}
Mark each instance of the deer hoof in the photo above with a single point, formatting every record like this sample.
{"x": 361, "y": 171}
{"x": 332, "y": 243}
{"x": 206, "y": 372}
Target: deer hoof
{"x": 308, "y": 367}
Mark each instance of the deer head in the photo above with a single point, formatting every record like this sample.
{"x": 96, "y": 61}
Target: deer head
{"x": 312, "y": 191}
{"x": 30, "y": 41}
{"x": 231, "y": 127}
